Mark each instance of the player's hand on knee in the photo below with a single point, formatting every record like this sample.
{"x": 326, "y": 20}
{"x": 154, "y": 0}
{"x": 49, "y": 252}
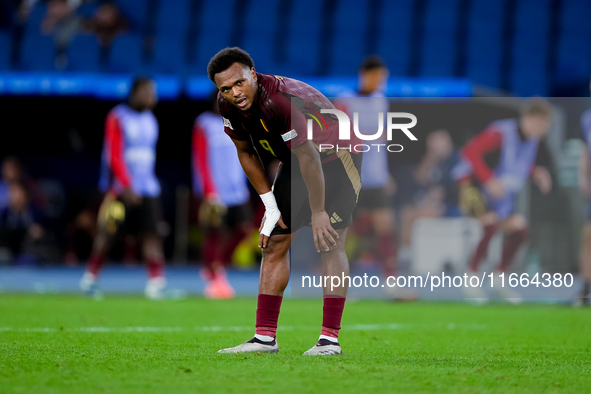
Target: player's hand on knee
{"x": 265, "y": 233}
{"x": 270, "y": 220}
{"x": 323, "y": 233}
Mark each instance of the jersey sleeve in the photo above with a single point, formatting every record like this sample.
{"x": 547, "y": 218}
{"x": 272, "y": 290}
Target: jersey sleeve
{"x": 115, "y": 147}
{"x": 488, "y": 141}
{"x": 232, "y": 126}
{"x": 203, "y": 181}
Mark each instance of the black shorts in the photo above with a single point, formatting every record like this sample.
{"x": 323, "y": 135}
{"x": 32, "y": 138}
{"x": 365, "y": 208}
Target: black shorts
{"x": 374, "y": 198}
{"x": 143, "y": 218}
{"x": 342, "y": 185}
{"x": 237, "y": 215}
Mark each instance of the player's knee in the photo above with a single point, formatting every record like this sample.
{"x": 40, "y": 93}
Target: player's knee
{"x": 516, "y": 223}
{"x": 489, "y": 219}
{"x": 277, "y": 247}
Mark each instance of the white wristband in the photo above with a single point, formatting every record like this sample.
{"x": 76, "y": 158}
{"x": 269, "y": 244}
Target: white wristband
{"x": 269, "y": 200}
{"x": 272, "y": 213}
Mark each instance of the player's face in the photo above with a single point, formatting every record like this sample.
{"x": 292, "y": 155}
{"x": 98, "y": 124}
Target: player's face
{"x": 373, "y": 80}
{"x": 238, "y": 85}
{"x": 439, "y": 144}
{"x": 535, "y": 126}
{"x": 147, "y": 95}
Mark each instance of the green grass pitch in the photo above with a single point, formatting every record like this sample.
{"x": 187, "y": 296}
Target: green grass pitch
{"x": 125, "y": 344}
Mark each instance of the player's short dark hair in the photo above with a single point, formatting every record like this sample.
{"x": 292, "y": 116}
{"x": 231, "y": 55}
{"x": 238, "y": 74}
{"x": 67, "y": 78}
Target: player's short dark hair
{"x": 537, "y": 107}
{"x": 138, "y": 82}
{"x": 224, "y": 59}
{"x": 371, "y": 63}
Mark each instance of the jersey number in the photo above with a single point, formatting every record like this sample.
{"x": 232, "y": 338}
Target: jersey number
{"x": 266, "y": 146}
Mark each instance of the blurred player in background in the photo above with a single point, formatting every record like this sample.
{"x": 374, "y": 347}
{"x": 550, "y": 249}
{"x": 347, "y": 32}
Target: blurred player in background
{"x": 433, "y": 191}
{"x": 376, "y": 216}
{"x": 521, "y": 154}
{"x": 132, "y": 200}
{"x": 11, "y": 173}
{"x": 225, "y": 212}
{"x": 585, "y": 187}
{"x": 265, "y": 112}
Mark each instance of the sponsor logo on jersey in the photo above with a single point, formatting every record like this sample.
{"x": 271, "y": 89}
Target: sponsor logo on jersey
{"x": 227, "y": 123}
{"x": 290, "y": 135}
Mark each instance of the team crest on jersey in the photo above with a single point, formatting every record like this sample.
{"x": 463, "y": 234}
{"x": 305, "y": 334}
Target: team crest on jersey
{"x": 227, "y": 123}
{"x": 290, "y": 135}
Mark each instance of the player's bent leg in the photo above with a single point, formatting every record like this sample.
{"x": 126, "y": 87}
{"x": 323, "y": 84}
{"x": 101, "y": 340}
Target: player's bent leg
{"x": 89, "y": 281}
{"x": 491, "y": 225}
{"x": 275, "y": 265}
{"x": 516, "y": 232}
{"x": 273, "y": 281}
{"x": 154, "y": 259}
{"x": 335, "y": 263}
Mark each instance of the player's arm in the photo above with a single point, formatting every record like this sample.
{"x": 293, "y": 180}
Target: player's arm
{"x": 203, "y": 182}
{"x": 116, "y": 146}
{"x": 253, "y": 168}
{"x": 489, "y": 140}
{"x": 539, "y": 173}
{"x": 311, "y": 169}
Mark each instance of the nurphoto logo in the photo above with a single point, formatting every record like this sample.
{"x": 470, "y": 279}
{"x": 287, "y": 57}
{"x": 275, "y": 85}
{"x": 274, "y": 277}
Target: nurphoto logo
{"x": 345, "y": 130}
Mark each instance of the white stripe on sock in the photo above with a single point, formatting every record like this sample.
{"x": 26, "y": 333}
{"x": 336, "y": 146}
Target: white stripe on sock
{"x": 264, "y": 338}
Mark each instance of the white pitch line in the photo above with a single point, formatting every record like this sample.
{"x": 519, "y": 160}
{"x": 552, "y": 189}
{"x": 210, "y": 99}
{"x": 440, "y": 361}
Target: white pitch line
{"x": 355, "y": 327}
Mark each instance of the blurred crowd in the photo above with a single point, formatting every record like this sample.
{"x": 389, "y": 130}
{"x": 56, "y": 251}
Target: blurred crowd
{"x": 63, "y": 21}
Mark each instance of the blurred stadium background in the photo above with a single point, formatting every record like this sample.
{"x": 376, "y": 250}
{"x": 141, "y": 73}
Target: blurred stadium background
{"x": 65, "y": 63}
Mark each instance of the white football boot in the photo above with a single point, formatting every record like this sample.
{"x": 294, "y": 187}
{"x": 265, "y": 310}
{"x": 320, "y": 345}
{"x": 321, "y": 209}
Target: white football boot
{"x": 253, "y": 346}
{"x": 324, "y": 347}
{"x": 89, "y": 285}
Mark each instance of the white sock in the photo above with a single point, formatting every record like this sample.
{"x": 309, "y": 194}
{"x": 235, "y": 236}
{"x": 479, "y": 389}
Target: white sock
{"x": 335, "y": 340}
{"x": 264, "y": 338}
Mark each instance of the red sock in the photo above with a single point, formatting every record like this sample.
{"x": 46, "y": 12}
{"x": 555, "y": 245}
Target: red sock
{"x": 332, "y": 312}
{"x": 95, "y": 263}
{"x": 512, "y": 244}
{"x": 211, "y": 251}
{"x": 480, "y": 252}
{"x": 268, "y": 307}
{"x": 155, "y": 268}
{"x": 386, "y": 248}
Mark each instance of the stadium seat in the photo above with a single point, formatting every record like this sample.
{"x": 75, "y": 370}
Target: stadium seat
{"x": 170, "y": 52}
{"x": 485, "y": 43}
{"x": 136, "y": 12}
{"x": 394, "y": 35}
{"x": 439, "y": 44}
{"x": 173, "y": 18}
{"x": 530, "y": 49}
{"x": 260, "y": 37}
{"x": 302, "y": 46}
{"x": 348, "y": 38}
{"x": 37, "y": 53}
{"x": 5, "y": 49}
{"x": 126, "y": 54}
{"x": 169, "y": 55}
{"x": 574, "y": 43}
{"x": 214, "y": 32}
{"x": 83, "y": 54}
